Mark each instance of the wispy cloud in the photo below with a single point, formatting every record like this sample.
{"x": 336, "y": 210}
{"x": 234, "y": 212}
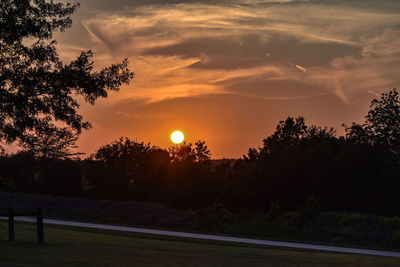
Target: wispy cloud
{"x": 211, "y": 67}
{"x": 301, "y": 68}
{"x": 188, "y": 49}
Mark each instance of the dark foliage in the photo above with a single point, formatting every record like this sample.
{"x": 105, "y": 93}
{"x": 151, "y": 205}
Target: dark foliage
{"x": 381, "y": 128}
{"x": 298, "y": 168}
{"x": 186, "y": 152}
{"x": 298, "y": 162}
{"x": 23, "y": 172}
{"x": 126, "y": 169}
{"x": 37, "y": 89}
{"x": 297, "y": 165}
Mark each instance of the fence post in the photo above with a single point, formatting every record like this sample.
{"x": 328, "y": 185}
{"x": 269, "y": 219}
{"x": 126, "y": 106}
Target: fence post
{"x": 10, "y": 224}
{"x": 39, "y": 221}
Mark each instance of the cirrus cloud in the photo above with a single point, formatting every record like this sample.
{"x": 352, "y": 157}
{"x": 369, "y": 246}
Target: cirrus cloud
{"x": 177, "y": 49}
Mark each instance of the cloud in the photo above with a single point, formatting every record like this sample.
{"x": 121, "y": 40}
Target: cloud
{"x": 221, "y": 69}
{"x": 193, "y": 48}
{"x": 301, "y": 68}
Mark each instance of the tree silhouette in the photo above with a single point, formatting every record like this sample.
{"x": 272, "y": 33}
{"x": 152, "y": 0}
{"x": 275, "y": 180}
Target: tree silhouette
{"x": 55, "y": 143}
{"x": 113, "y": 168}
{"x": 182, "y": 152}
{"x": 193, "y": 180}
{"x": 288, "y": 134}
{"x": 186, "y": 152}
{"x": 202, "y": 152}
{"x": 382, "y": 124}
{"x": 127, "y": 169}
{"x": 289, "y": 167}
{"x": 37, "y": 89}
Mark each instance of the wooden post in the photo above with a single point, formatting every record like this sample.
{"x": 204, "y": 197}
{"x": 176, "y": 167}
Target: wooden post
{"x": 10, "y": 224}
{"x": 39, "y": 221}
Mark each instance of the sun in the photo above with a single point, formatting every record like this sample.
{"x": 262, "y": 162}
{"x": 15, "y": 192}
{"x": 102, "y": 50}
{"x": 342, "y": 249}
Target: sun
{"x": 177, "y": 137}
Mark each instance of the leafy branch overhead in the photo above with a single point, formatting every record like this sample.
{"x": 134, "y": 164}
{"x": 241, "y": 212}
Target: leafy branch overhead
{"x": 37, "y": 90}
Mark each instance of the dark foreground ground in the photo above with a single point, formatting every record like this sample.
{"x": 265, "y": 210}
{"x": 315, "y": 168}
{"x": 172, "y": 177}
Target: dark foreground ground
{"x": 329, "y": 228}
{"x": 82, "y": 247}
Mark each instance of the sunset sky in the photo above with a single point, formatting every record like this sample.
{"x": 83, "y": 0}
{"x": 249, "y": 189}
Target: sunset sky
{"x": 227, "y": 71}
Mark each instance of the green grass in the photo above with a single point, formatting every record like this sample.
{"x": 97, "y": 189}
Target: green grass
{"x": 82, "y": 247}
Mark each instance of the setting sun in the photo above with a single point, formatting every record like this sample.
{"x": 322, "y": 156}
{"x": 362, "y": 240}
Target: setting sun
{"x": 177, "y": 137}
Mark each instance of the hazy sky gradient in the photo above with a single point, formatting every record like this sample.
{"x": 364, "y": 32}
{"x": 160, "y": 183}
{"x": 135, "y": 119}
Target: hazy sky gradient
{"x": 227, "y": 71}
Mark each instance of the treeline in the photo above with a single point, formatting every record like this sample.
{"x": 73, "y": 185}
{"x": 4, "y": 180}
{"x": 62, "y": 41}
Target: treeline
{"x": 299, "y": 167}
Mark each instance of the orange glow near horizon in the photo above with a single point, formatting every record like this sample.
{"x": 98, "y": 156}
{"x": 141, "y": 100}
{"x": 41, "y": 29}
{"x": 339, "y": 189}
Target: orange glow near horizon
{"x": 228, "y": 73}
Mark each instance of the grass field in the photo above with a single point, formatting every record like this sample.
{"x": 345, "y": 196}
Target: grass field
{"x": 83, "y": 247}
